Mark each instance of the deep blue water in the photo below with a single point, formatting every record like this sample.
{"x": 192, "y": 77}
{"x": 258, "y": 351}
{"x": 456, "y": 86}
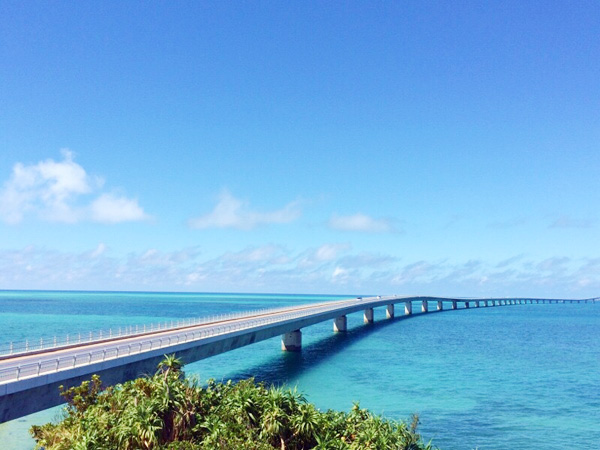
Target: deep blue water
{"x": 525, "y": 376}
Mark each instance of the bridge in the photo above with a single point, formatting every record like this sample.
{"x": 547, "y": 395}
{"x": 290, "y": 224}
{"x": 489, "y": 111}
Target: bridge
{"x": 30, "y": 376}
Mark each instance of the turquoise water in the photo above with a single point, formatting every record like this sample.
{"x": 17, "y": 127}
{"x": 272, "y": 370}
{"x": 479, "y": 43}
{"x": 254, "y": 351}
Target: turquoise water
{"x": 525, "y": 376}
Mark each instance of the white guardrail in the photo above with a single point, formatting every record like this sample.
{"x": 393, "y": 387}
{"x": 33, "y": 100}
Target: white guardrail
{"x": 14, "y": 348}
{"x": 117, "y": 350}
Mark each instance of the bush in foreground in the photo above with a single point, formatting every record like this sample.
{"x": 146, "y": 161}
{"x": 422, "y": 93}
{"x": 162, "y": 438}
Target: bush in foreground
{"x": 167, "y": 411}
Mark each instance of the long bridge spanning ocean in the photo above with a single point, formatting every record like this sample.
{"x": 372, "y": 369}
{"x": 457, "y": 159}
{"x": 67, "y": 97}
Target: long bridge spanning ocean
{"x": 482, "y": 376}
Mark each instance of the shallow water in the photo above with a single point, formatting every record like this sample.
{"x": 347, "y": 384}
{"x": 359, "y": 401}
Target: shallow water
{"x": 524, "y": 376}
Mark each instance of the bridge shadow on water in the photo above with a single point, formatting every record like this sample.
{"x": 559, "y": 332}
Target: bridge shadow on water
{"x": 287, "y": 366}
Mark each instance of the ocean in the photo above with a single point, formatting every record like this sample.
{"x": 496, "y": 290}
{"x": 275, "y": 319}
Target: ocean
{"x": 523, "y": 376}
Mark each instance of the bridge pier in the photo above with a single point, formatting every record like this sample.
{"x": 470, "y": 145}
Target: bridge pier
{"x": 292, "y": 341}
{"x": 340, "y": 324}
{"x": 476, "y": 304}
{"x": 389, "y": 311}
{"x": 467, "y": 305}
{"x": 424, "y": 306}
{"x": 408, "y": 308}
{"x": 454, "y": 304}
{"x": 368, "y": 315}
{"x": 440, "y": 305}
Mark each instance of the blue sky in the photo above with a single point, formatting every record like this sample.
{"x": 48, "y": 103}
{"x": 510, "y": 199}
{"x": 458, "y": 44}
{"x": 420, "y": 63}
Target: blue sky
{"x": 447, "y": 148}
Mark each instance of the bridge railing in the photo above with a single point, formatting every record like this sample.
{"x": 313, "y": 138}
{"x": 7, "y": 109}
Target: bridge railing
{"x": 39, "y": 344}
{"x": 117, "y": 350}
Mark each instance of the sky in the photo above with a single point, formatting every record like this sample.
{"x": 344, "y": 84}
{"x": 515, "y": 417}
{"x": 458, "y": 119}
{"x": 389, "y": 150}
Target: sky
{"x": 418, "y": 148}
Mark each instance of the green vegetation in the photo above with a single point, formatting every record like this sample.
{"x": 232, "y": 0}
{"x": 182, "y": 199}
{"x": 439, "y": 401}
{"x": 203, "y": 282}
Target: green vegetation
{"x": 167, "y": 411}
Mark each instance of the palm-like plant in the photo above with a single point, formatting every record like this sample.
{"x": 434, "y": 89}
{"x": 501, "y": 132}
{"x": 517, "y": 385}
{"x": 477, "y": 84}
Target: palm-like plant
{"x": 168, "y": 412}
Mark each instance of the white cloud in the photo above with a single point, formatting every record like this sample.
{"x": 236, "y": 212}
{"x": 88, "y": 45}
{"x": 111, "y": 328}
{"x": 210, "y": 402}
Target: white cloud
{"x": 329, "y": 252}
{"x": 324, "y": 254}
{"x": 109, "y": 208}
{"x": 273, "y": 268}
{"x": 55, "y": 191}
{"x": 99, "y": 250}
{"x": 360, "y": 222}
{"x": 340, "y": 275}
{"x": 231, "y": 212}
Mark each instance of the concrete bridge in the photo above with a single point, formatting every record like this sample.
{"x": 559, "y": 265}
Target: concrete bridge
{"x": 29, "y": 380}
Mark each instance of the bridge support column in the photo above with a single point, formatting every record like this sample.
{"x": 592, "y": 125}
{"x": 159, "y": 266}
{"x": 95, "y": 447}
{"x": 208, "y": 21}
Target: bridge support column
{"x": 476, "y": 303}
{"x": 440, "y": 305}
{"x": 454, "y": 304}
{"x": 408, "y": 308}
{"x": 292, "y": 341}
{"x": 486, "y": 303}
{"x": 368, "y": 315}
{"x": 467, "y": 305}
{"x": 389, "y": 311}
{"x": 424, "y": 306}
{"x": 340, "y": 324}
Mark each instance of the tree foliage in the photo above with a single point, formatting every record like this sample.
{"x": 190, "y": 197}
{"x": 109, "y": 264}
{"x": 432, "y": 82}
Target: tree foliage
{"x": 169, "y": 412}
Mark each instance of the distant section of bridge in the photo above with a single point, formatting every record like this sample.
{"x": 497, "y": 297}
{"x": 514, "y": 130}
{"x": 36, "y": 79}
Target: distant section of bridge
{"x": 29, "y": 379}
